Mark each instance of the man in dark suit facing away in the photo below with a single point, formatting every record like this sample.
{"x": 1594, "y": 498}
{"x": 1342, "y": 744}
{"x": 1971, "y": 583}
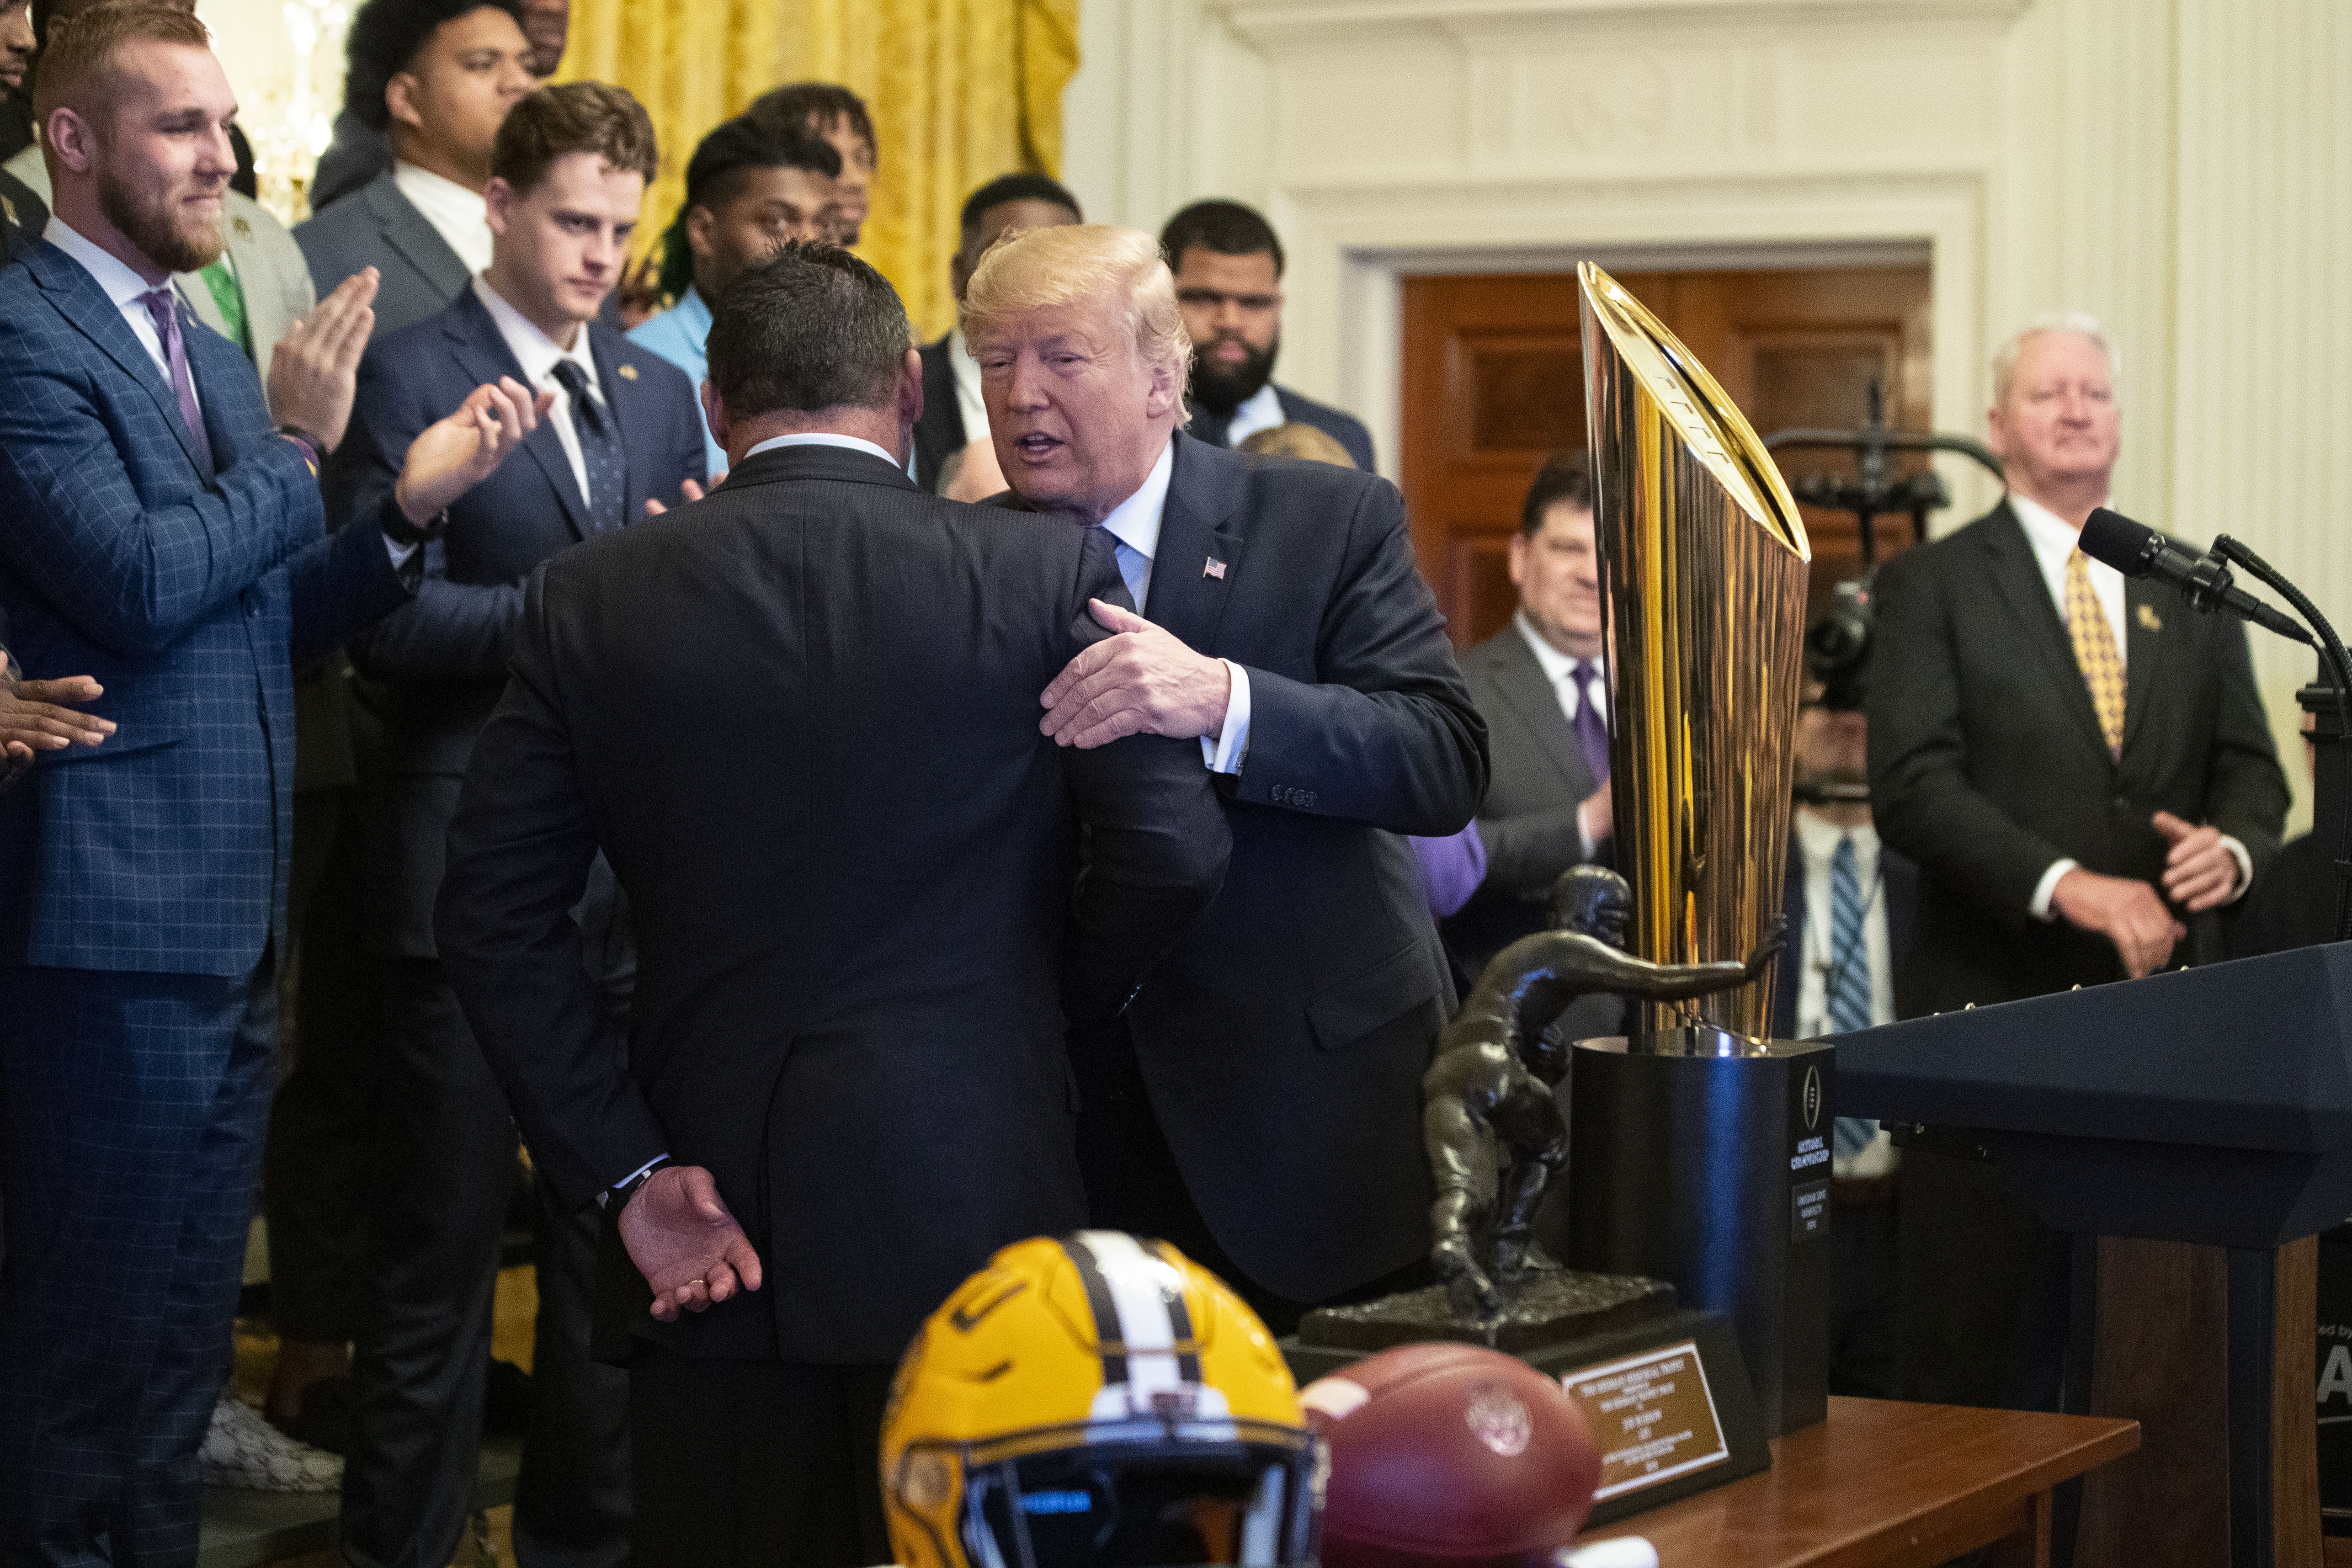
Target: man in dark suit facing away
{"x": 1228, "y": 268}
{"x": 165, "y": 536}
{"x": 437, "y": 77}
{"x": 621, "y": 429}
{"x": 1259, "y": 1104}
{"x": 863, "y": 903}
{"x": 2080, "y": 767}
{"x": 954, "y": 417}
{"x": 1541, "y": 686}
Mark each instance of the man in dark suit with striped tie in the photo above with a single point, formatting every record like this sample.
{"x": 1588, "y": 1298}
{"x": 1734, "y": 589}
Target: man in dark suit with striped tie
{"x": 2080, "y": 767}
{"x": 1852, "y": 903}
{"x": 164, "y": 538}
{"x": 621, "y": 430}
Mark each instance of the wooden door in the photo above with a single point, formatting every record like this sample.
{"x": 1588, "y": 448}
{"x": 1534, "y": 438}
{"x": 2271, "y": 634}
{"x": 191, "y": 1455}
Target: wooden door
{"x": 1494, "y": 384}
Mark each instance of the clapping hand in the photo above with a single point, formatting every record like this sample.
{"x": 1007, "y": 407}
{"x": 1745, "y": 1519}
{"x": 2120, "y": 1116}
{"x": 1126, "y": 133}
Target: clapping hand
{"x": 682, "y": 1239}
{"x": 314, "y": 370}
{"x": 456, "y": 454}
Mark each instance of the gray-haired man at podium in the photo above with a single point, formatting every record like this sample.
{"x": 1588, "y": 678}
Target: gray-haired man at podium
{"x": 2080, "y": 766}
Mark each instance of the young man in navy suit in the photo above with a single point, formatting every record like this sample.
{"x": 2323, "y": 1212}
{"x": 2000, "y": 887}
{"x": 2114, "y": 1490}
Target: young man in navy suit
{"x": 164, "y": 539}
{"x": 622, "y": 430}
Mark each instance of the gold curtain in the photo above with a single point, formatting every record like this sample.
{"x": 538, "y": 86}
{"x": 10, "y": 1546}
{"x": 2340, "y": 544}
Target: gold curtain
{"x": 960, "y": 90}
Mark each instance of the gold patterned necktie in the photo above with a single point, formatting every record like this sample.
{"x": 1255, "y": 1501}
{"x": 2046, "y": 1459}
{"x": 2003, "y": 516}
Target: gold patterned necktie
{"x": 2095, "y": 651}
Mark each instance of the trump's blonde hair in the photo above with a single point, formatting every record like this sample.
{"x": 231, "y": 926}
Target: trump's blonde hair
{"x": 1034, "y": 269}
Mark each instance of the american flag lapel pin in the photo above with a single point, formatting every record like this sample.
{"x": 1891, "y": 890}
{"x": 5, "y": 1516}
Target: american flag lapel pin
{"x": 1214, "y": 567}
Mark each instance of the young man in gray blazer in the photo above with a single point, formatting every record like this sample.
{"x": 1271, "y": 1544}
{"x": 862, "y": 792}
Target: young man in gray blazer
{"x": 439, "y": 76}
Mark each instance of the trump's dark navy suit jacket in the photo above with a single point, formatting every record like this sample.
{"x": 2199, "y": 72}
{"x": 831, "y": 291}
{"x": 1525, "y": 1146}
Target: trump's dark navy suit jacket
{"x": 192, "y": 598}
{"x": 444, "y": 657}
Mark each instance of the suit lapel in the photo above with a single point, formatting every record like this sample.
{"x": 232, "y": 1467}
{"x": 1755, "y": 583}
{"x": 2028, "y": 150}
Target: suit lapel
{"x": 408, "y": 233}
{"x": 483, "y": 354}
{"x": 2017, "y": 577}
{"x": 2145, "y": 607}
{"x": 1199, "y": 556}
{"x": 1532, "y": 697}
{"x": 84, "y": 304}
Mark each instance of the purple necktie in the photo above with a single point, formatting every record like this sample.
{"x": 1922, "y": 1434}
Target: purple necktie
{"x": 160, "y": 311}
{"x": 1592, "y": 729}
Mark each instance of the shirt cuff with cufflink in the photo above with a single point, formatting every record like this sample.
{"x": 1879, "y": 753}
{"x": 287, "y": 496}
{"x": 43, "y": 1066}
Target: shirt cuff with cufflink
{"x": 1226, "y": 753}
{"x": 2047, "y": 889}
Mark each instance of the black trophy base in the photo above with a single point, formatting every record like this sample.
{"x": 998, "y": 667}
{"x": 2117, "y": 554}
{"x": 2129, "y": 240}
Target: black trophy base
{"x": 1665, "y": 1396}
{"x": 1702, "y": 1158}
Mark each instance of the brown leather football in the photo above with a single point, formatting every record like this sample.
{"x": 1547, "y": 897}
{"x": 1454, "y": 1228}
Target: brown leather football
{"x": 1452, "y": 1454}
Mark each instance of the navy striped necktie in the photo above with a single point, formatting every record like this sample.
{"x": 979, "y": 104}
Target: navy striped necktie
{"x": 1849, "y": 975}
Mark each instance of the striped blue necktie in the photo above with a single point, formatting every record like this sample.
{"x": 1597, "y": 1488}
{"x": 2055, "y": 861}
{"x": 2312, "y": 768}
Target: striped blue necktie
{"x": 1849, "y": 977}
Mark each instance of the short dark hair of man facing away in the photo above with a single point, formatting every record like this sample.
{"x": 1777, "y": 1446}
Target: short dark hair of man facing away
{"x": 79, "y": 49}
{"x": 385, "y": 39}
{"x": 1015, "y": 188}
{"x": 555, "y": 122}
{"x": 1226, "y": 227}
{"x": 810, "y": 327}
{"x": 1565, "y": 476}
{"x": 715, "y": 174}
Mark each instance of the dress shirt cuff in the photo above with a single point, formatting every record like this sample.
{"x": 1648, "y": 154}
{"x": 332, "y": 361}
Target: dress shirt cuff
{"x": 2044, "y": 889}
{"x": 1591, "y": 845}
{"x": 1226, "y": 753}
{"x": 2246, "y": 867}
{"x": 630, "y": 1183}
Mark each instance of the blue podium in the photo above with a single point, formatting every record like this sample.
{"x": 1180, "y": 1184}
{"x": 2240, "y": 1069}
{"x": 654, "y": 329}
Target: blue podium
{"x": 2209, "y": 1106}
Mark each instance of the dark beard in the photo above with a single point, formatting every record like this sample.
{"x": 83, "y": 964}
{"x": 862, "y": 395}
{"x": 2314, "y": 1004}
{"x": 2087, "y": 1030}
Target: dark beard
{"x": 150, "y": 228}
{"x": 1221, "y": 391}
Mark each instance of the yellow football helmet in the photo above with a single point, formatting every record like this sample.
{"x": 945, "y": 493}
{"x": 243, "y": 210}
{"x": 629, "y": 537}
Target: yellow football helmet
{"x": 1098, "y": 1400}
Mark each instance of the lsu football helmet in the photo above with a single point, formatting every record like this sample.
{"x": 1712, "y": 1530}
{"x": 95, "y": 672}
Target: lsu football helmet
{"x": 1098, "y": 1400}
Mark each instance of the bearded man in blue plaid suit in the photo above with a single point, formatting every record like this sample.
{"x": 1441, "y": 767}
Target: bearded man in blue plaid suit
{"x": 163, "y": 538}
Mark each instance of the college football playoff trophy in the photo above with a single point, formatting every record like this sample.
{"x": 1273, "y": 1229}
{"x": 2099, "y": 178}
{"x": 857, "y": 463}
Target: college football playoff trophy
{"x": 1699, "y": 1151}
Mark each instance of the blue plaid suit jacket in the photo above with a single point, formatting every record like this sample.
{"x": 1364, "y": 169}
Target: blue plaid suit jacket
{"x": 191, "y": 601}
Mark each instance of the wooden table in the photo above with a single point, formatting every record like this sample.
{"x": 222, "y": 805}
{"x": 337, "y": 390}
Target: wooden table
{"x": 1878, "y": 1483}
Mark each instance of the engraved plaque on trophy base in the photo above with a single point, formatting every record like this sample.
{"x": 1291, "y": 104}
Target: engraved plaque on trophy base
{"x": 1665, "y": 1395}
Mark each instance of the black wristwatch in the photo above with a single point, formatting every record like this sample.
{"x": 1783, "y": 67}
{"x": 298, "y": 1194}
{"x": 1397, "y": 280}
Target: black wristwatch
{"x": 615, "y": 1198}
{"x": 394, "y": 525}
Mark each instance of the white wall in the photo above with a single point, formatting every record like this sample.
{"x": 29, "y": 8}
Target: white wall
{"x": 2178, "y": 167}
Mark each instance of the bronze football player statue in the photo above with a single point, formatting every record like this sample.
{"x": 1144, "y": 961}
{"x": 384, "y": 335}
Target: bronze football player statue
{"x": 1493, "y": 1131}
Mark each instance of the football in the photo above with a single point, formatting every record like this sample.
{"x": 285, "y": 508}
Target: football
{"x": 1449, "y": 1454}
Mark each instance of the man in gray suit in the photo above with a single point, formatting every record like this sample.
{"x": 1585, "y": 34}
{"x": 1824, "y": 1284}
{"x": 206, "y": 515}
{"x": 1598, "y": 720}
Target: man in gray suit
{"x": 1541, "y": 686}
{"x": 438, "y": 76}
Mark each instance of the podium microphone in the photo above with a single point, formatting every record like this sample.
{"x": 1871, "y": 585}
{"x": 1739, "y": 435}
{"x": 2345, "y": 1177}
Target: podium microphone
{"x": 2137, "y": 550}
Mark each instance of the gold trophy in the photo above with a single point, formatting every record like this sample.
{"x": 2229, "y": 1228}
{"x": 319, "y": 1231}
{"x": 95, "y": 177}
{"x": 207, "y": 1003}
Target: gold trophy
{"x": 1699, "y": 1151}
{"x": 1706, "y": 558}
